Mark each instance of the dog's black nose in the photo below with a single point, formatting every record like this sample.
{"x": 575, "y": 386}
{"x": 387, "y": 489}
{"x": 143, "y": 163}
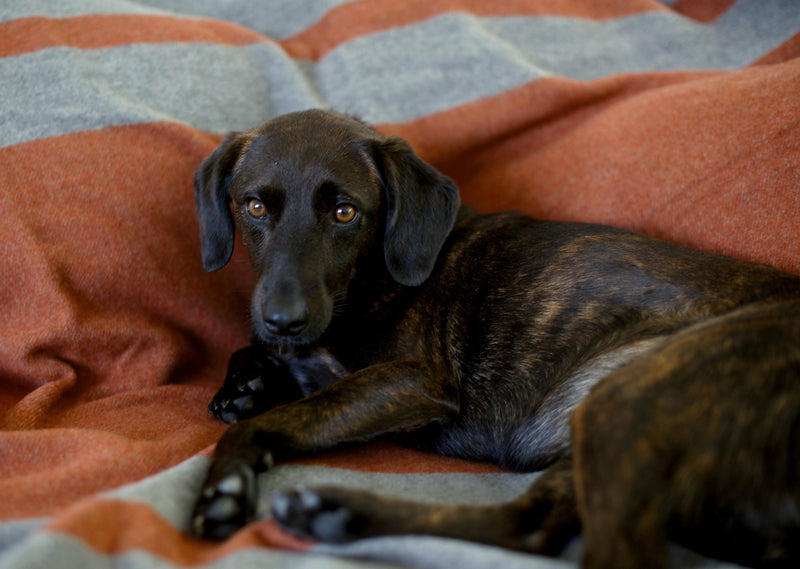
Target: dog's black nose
{"x": 286, "y": 323}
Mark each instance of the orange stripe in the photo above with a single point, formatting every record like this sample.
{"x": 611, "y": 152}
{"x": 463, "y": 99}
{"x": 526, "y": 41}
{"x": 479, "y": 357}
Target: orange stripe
{"x": 110, "y": 527}
{"x": 704, "y": 11}
{"x": 99, "y": 31}
{"x": 354, "y": 19}
{"x": 387, "y": 458}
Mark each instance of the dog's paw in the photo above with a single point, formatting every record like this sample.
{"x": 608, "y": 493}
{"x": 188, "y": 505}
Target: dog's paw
{"x": 241, "y": 402}
{"x": 226, "y": 503}
{"x": 244, "y": 393}
{"x": 316, "y": 514}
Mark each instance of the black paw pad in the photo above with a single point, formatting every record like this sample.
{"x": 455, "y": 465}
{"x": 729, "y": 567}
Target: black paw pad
{"x": 242, "y": 395}
{"x": 256, "y": 381}
{"x": 307, "y": 513}
{"x": 225, "y": 505}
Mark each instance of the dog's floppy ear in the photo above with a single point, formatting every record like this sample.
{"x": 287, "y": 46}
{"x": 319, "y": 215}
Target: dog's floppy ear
{"x": 212, "y": 181}
{"x": 421, "y": 208}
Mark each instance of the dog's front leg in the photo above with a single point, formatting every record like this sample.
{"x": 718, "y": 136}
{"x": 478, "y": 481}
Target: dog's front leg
{"x": 376, "y": 401}
{"x": 257, "y": 380}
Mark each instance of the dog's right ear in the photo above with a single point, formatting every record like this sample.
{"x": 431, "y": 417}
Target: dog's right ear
{"x": 212, "y": 182}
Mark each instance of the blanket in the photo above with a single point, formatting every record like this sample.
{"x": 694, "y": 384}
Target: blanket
{"x": 680, "y": 119}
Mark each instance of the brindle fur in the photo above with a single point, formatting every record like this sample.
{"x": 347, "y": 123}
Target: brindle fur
{"x": 658, "y": 385}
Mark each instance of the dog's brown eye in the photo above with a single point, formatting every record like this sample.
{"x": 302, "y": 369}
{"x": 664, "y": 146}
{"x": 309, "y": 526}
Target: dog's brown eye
{"x": 256, "y": 208}
{"x": 345, "y": 213}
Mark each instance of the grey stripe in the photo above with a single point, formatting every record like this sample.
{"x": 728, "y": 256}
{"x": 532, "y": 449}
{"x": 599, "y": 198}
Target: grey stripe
{"x": 211, "y": 87}
{"x": 395, "y": 76}
{"x": 172, "y": 493}
{"x": 413, "y": 71}
{"x": 654, "y": 41}
{"x": 433, "y": 553}
{"x": 423, "y": 552}
{"x": 277, "y": 19}
{"x": 444, "y": 488}
{"x": 15, "y": 9}
{"x": 15, "y": 531}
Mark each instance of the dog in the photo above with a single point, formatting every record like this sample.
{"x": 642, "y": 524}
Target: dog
{"x": 656, "y": 386}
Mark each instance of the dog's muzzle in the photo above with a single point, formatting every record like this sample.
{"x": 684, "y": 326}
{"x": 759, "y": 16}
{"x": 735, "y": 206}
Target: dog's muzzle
{"x": 286, "y": 319}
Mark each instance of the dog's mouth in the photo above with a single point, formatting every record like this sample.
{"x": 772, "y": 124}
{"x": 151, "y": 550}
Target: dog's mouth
{"x": 286, "y": 341}
{"x": 282, "y": 343}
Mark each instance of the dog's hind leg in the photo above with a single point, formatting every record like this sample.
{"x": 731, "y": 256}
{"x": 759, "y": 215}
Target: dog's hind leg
{"x": 542, "y": 520}
{"x": 698, "y": 443}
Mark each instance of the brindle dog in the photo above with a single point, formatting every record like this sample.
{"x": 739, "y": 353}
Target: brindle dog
{"x": 658, "y": 386}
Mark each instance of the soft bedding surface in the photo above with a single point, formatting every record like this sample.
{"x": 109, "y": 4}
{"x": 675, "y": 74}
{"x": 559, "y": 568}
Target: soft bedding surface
{"x": 679, "y": 119}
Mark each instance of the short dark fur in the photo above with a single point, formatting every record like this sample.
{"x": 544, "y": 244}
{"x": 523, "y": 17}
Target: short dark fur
{"x": 658, "y": 385}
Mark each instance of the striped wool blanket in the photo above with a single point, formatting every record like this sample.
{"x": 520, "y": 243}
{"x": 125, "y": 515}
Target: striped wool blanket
{"x": 679, "y": 119}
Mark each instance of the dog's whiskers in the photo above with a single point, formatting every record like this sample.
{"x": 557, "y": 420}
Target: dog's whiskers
{"x": 341, "y": 302}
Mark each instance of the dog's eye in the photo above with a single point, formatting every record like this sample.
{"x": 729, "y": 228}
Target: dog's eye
{"x": 256, "y": 208}
{"x": 345, "y": 213}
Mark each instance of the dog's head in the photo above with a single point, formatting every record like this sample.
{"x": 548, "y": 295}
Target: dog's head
{"x": 314, "y": 195}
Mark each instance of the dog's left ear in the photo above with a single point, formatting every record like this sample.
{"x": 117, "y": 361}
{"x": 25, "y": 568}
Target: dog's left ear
{"x": 422, "y": 205}
{"x": 212, "y": 181}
